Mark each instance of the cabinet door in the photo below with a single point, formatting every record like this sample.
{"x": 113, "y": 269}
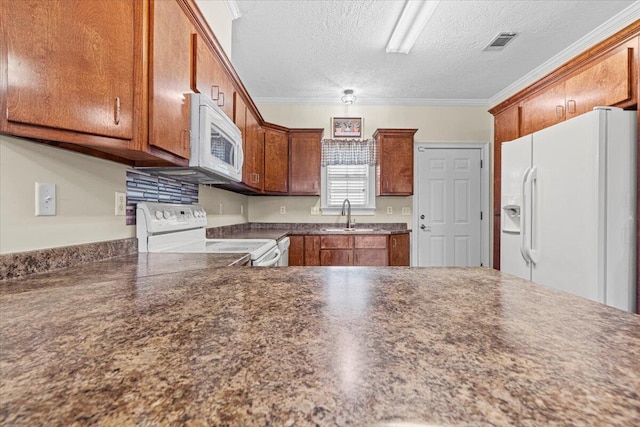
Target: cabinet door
{"x": 304, "y": 161}
{"x": 395, "y": 165}
{"x": 336, "y": 257}
{"x": 312, "y": 250}
{"x": 543, "y": 109}
{"x": 296, "y": 250}
{"x": 255, "y": 152}
{"x": 276, "y": 161}
{"x": 209, "y": 77}
{"x": 607, "y": 82}
{"x": 399, "y": 250}
{"x": 370, "y": 257}
{"x": 170, "y": 77}
{"x": 71, "y": 65}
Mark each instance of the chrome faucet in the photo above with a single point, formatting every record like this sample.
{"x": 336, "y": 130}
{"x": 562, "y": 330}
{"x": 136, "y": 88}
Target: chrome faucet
{"x": 348, "y": 211}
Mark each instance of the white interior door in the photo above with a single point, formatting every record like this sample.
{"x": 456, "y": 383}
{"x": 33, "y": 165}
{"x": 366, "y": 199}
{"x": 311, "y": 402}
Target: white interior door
{"x": 449, "y": 207}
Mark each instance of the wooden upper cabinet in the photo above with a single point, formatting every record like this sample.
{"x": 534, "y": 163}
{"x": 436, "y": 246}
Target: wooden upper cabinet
{"x": 544, "y": 109}
{"x": 608, "y": 81}
{"x": 254, "y": 154}
{"x": 395, "y": 162}
{"x": 276, "y": 161}
{"x": 70, "y": 66}
{"x": 399, "y": 250}
{"x": 170, "y": 77}
{"x": 209, "y": 77}
{"x": 304, "y": 161}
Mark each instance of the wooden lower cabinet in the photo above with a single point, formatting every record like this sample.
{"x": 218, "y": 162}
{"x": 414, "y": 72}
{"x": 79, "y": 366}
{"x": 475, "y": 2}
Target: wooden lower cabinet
{"x": 336, "y": 257}
{"x": 399, "y": 250}
{"x": 370, "y": 257}
{"x": 312, "y": 250}
{"x": 296, "y": 251}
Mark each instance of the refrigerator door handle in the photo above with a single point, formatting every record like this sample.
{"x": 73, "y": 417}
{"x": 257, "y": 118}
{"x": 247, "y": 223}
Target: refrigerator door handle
{"x": 532, "y": 252}
{"x": 523, "y": 217}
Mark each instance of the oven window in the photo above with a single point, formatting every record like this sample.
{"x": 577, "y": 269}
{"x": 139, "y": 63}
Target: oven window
{"x": 221, "y": 148}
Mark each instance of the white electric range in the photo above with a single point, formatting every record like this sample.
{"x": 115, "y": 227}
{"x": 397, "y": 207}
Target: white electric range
{"x": 166, "y": 227}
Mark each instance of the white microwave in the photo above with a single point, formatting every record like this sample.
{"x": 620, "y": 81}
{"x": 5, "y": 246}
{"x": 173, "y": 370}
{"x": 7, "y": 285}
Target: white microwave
{"x": 216, "y": 146}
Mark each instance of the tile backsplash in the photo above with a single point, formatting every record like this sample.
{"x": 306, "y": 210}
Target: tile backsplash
{"x": 143, "y": 187}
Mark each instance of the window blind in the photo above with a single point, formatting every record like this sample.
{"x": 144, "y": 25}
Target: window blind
{"x": 347, "y": 182}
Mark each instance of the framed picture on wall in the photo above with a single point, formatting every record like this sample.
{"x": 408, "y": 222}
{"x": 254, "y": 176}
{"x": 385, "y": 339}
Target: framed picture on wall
{"x": 346, "y": 127}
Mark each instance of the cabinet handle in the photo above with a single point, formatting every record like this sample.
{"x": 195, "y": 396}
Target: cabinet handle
{"x": 116, "y": 111}
{"x": 186, "y": 138}
{"x": 571, "y": 106}
{"x": 215, "y": 92}
{"x": 386, "y": 184}
{"x": 395, "y": 242}
{"x": 357, "y": 259}
{"x": 559, "y": 111}
{"x": 221, "y": 100}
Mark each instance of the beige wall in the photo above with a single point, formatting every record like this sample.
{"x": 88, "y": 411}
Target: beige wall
{"x": 85, "y": 190}
{"x": 219, "y": 19}
{"x": 434, "y": 124}
{"x": 235, "y": 207}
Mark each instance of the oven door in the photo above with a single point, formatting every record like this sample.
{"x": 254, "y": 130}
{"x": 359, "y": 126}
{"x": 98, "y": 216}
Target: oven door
{"x": 269, "y": 259}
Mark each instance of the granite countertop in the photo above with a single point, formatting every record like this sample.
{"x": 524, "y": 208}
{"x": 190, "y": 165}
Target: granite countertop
{"x": 278, "y": 234}
{"x": 385, "y": 346}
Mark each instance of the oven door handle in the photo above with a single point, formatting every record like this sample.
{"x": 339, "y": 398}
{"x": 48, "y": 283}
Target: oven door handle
{"x": 273, "y": 261}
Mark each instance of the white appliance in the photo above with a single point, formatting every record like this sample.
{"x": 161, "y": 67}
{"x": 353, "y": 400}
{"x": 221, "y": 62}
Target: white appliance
{"x": 165, "y": 227}
{"x": 216, "y": 146}
{"x": 568, "y": 206}
{"x": 283, "y": 245}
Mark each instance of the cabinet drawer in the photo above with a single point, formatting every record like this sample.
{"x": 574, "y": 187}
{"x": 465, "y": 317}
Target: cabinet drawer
{"x": 336, "y": 242}
{"x": 370, "y": 242}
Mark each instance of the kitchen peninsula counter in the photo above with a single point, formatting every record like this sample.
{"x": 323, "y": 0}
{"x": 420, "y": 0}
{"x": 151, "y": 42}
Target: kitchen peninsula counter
{"x": 310, "y": 346}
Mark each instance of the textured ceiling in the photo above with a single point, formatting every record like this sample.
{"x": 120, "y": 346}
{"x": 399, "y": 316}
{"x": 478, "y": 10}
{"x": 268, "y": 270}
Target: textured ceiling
{"x": 312, "y": 50}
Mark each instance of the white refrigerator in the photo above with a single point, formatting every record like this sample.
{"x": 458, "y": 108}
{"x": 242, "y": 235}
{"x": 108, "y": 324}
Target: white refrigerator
{"x": 569, "y": 205}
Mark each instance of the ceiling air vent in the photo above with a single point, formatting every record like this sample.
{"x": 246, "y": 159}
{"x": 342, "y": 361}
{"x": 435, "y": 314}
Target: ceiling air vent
{"x": 500, "y": 41}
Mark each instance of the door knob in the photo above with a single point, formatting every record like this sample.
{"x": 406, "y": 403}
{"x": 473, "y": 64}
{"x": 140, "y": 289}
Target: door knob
{"x": 423, "y": 227}
{"x": 421, "y": 216}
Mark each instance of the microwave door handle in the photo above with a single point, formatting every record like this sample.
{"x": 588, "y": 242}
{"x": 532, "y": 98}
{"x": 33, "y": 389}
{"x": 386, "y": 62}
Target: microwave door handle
{"x": 238, "y": 152}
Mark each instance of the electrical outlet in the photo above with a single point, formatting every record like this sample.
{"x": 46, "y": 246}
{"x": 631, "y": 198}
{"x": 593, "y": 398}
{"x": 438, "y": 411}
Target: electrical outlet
{"x": 283, "y": 210}
{"x": 241, "y": 209}
{"x": 45, "y": 199}
{"x": 389, "y": 210}
{"x": 121, "y": 204}
{"x": 221, "y": 208}
{"x": 406, "y": 210}
{"x": 315, "y": 210}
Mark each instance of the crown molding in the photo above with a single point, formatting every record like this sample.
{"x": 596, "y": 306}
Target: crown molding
{"x": 623, "y": 19}
{"x": 376, "y": 101}
{"x": 234, "y": 10}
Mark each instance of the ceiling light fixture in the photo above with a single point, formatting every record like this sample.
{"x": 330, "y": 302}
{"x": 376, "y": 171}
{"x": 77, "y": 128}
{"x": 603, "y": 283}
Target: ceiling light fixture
{"x": 412, "y": 21}
{"x": 349, "y": 97}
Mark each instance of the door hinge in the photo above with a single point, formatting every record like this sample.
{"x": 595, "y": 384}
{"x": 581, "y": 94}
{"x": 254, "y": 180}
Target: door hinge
{"x": 480, "y": 163}
{"x": 481, "y": 265}
{"x": 480, "y": 215}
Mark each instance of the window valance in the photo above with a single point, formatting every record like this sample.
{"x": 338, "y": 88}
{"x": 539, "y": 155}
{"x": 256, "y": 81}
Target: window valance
{"x": 349, "y": 152}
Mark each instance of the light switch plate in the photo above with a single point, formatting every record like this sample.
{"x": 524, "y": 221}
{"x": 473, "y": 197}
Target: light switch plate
{"x": 406, "y": 210}
{"x": 45, "y": 199}
{"x": 283, "y": 210}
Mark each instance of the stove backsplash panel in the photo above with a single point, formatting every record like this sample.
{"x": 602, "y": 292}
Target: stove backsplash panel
{"x": 142, "y": 187}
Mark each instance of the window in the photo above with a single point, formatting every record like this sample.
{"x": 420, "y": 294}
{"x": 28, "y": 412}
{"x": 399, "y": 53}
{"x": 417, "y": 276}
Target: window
{"x": 348, "y": 172}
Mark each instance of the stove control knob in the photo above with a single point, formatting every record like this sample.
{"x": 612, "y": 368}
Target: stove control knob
{"x": 158, "y": 215}
{"x": 167, "y": 214}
